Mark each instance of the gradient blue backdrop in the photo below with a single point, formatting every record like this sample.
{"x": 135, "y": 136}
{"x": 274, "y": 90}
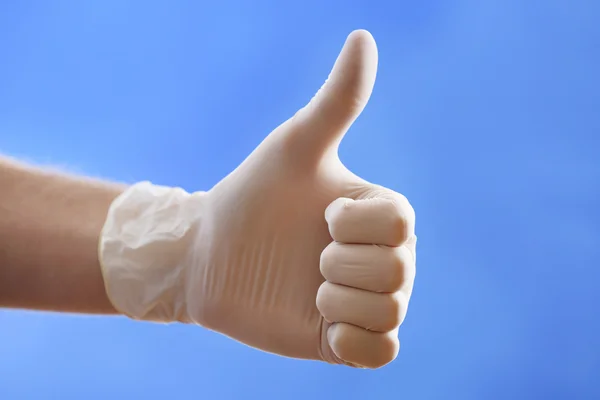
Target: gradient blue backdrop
{"x": 486, "y": 114}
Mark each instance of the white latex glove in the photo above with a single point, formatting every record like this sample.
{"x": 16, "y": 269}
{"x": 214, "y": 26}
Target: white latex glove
{"x": 291, "y": 253}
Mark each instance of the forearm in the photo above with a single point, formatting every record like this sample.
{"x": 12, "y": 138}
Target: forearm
{"x": 49, "y": 229}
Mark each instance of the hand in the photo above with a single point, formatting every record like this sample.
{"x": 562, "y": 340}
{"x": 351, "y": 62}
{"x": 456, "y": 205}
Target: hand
{"x": 291, "y": 253}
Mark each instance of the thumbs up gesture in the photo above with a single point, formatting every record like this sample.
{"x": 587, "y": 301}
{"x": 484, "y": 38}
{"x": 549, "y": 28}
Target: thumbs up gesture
{"x": 290, "y": 253}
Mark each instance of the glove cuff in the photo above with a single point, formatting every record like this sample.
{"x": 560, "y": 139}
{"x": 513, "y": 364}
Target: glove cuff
{"x": 143, "y": 250}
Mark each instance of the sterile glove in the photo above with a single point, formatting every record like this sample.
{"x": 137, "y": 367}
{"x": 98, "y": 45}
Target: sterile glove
{"x": 291, "y": 253}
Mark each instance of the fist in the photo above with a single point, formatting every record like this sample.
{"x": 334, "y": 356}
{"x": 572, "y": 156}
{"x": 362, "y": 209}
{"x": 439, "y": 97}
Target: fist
{"x": 369, "y": 270}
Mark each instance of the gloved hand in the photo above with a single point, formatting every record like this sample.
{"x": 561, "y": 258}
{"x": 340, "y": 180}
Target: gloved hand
{"x": 291, "y": 253}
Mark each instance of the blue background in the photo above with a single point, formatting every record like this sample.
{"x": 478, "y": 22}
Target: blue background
{"x": 485, "y": 114}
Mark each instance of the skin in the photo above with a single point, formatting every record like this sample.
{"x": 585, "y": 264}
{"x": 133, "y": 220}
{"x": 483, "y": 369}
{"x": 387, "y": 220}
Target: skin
{"x": 50, "y": 224}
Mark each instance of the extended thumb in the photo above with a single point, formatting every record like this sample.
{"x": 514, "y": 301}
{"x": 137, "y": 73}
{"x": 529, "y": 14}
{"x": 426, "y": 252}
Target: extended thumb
{"x": 325, "y": 120}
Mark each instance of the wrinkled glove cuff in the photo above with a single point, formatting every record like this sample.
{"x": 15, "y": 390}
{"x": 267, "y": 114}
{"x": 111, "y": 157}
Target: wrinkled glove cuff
{"x": 144, "y": 250}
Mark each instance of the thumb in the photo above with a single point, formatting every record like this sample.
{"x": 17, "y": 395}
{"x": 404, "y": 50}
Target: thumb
{"x": 322, "y": 123}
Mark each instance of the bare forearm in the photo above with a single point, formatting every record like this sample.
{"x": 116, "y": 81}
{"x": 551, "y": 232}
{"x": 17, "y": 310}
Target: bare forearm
{"x": 49, "y": 229}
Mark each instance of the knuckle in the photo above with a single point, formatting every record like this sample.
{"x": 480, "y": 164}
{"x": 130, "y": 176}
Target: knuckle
{"x": 390, "y": 348}
{"x": 397, "y": 269}
{"x": 403, "y": 218}
{"x": 401, "y": 212}
{"x": 396, "y": 311}
{"x": 384, "y": 349}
